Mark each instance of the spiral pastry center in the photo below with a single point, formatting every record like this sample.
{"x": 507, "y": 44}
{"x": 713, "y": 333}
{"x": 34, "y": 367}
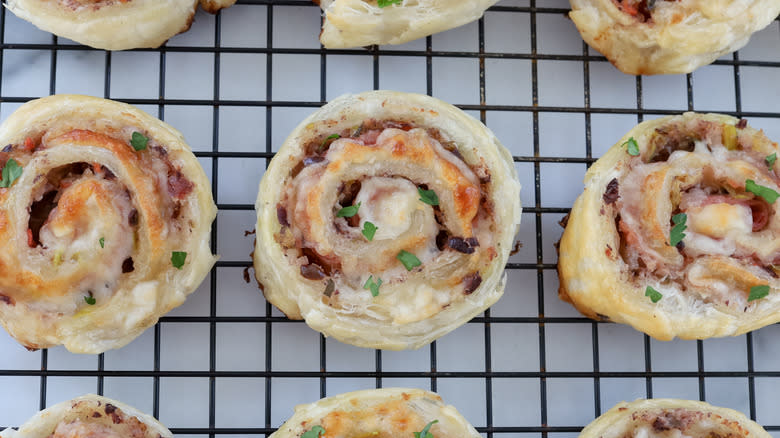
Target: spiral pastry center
{"x": 389, "y": 203}
{"x": 86, "y": 210}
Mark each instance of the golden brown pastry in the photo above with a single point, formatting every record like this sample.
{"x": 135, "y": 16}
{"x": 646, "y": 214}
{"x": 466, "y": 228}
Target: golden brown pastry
{"x": 113, "y": 24}
{"x": 90, "y": 416}
{"x": 105, "y": 218}
{"x": 677, "y": 230}
{"x": 646, "y": 37}
{"x": 355, "y": 23}
{"x": 670, "y": 418}
{"x": 380, "y": 413}
{"x": 385, "y": 220}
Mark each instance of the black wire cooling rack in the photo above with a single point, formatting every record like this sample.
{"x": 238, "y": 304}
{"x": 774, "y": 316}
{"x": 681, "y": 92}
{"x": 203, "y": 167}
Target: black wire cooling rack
{"x": 534, "y": 274}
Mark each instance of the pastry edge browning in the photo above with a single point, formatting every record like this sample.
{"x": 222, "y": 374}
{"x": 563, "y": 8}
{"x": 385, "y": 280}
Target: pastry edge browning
{"x": 597, "y": 287}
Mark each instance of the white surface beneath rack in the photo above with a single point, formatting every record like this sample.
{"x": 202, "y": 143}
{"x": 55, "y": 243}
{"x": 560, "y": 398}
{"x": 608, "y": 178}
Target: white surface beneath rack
{"x": 511, "y": 396}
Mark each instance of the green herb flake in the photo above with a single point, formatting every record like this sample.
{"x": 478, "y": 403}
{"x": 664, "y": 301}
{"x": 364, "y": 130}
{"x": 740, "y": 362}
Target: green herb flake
{"x": 348, "y": 211}
{"x": 631, "y": 147}
{"x": 654, "y": 295}
{"x": 177, "y": 259}
{"x": 425, "y": 432}
{"x": 327, "y": 139}
{"x": 11, "y": 172}
{"x": 768, "y": 194}
{"x": 314, "y": 432}
{"x": 428, "y": 196}
{"x": 676, "y": 235}
{"x": 369, "y": 229}
{"x": 138, "y": 141}
{"x": 90, "y": 300}
{"x": 409, "y": 260}
{"x": 373, "y": 285}
{"x": 758, "y": 292}
{"x": 102, "y": 241}
{"x": 770, "y": 160}
{"x": 386, "y": 3}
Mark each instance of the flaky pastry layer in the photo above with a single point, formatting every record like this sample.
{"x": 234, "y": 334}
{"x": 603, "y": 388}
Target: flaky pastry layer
{"x": 646, "y": 37}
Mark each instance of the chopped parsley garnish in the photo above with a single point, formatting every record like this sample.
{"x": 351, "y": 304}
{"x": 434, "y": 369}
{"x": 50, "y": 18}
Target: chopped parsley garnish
{"x": 138, "y": 141}
{"x": 386, "y": 3}
{"x": 428, "y": 196}
{"x": 327, "y": 139}
{"x": 425, "y": 432}
{"x": 758, "y": 292}
{"x": 369, "y": 229}
{"x": 90, "y": 300}
{"x": 102, "y": 241}
{"x": 177, "y": 259}
{"x": 348, "y": 211}
{"x": 654, "y": 295}
{"x": 314, "y": 432}
{"x": 409, "y": 260}
{"x": 768, "y": 194}
{"x": 11, "y": 172}
{"x": 373, "y": 285}
{"x": 676, "y": 235}
{"x": 770, "y": 160}
{"x": 631, "y": 147}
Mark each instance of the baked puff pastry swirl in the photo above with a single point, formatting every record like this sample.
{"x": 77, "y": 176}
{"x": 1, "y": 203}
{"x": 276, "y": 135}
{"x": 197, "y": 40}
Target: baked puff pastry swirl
{"x": 355, "y": 23}
{"x": 104, "y": 223}
{"x": 113, "y": 24}
{"x": 380, "y": 413}
{"x": 646, "y": 37}
{"x": 90, "y": 416}
{"x": 677, "y": 230}
{"x": 385, "y": 220}
{"x": 668, "y": 418}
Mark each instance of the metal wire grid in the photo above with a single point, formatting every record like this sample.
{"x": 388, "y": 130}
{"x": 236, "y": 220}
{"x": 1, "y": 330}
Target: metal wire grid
{"x": 587, "y": 58}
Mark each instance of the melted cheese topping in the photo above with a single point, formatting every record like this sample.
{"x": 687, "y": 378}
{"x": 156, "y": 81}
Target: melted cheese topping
{"x": 94, "y": 218}
{"x": 729, "y": 238}
{"x": 451, "y": 240}
{"x": 385, "y": 420}
{"x": 390, "y": 204}
{"x": 681, "y": 423}
{"x": 721, "y": 220}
